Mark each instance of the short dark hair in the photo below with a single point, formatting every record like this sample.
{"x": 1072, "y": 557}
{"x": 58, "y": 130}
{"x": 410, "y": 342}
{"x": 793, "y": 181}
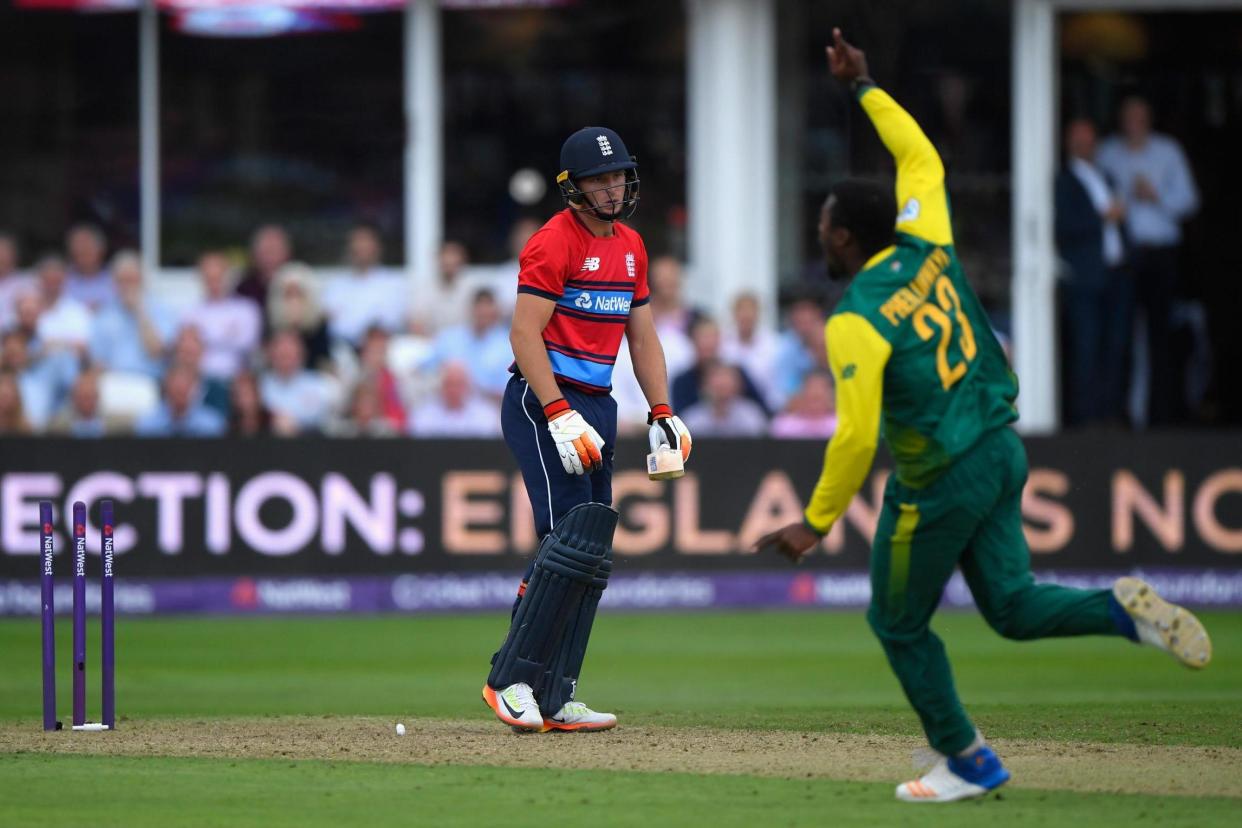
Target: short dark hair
{"x": 868, "y": 209}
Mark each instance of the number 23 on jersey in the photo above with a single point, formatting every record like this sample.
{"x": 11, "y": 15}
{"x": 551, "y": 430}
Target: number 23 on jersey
{"x": 939, "y": 318}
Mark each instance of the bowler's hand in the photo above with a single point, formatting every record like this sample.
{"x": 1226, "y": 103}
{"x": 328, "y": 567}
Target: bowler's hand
{"x": 846, "y": 63}
{"x": 1144, "y": 191}
{"x": 793, "y": 541}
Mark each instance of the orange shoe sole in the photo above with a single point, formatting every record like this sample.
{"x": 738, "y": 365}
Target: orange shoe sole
{"x": 493, "y": 701}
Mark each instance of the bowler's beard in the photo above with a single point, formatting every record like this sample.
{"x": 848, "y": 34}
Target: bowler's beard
{"x": 837, "y": 271}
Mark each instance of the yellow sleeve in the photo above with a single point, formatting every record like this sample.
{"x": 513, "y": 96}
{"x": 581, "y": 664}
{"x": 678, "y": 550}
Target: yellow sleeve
{"x": 922, "y": 203}
{"x": 857, "y": 355}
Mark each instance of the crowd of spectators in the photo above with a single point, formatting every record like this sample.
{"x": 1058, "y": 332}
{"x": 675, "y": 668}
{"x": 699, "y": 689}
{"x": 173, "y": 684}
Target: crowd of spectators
{"x": 268, "y": 346}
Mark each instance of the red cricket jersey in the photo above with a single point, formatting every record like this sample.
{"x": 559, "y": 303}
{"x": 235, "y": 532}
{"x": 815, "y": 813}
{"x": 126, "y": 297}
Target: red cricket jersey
{"x": 594, "y": 283}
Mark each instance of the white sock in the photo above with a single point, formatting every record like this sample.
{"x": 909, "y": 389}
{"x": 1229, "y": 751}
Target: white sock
{"x": 974, "y": 746}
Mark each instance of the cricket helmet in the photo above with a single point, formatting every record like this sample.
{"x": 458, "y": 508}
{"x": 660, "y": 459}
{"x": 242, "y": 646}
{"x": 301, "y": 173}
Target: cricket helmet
{"x": 595, "y": 151}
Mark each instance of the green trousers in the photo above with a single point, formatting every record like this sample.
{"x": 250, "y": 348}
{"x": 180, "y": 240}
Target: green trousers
{"x": 969, "y": 517}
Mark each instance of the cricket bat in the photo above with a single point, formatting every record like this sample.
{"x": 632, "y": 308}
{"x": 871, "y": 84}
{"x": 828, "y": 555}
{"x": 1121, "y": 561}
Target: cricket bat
{"x": 665, "y": 464}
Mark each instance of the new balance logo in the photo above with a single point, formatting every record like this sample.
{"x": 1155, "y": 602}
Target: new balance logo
{"x": 605, "y": 146}
{"x": 592, "y": 263}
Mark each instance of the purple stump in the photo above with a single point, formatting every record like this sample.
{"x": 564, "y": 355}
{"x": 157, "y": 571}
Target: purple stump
{"x": 107, "y": 617}
{"x": 49, "y": 617}
{"x": 79, "y": 613}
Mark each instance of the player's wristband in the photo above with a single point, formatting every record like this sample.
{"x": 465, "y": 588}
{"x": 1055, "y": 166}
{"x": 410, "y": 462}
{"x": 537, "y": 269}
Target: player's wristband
{"x": 808, "y": 525}
{"x": 659, "y": 412}
{"x": 557, "y": 406}
{"x": 860, "y": 85}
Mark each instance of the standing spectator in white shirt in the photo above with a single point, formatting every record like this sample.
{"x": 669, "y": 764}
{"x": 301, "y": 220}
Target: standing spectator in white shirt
{"x": 483, "y": 344}
{"x": 751, "y": 345}
{"x": 1160, "y": 193}
{"x": 89, "y": 280}
{"x": 231, "y": 326}
{"x": 131, "y": 331}
{"x": 456, "y": 411}
{"x": 370, "y": 295}
{"x": 12, "y": 281}
{"x": 298, "y": 399}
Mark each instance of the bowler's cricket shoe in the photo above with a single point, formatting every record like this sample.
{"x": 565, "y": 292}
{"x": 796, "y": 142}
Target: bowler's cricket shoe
{"x": 1167, "y": 626}
{"x": 957, "y": 777}
{"x": 515, "y": 706}
{"x": 578, "y": 717}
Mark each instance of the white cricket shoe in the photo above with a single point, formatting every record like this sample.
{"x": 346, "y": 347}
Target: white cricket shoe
{"x": 1163, "y": 625}
{"x": 956, "y": 777}
{"x": 515, "y": 706}
{"x": 578, "y": 717}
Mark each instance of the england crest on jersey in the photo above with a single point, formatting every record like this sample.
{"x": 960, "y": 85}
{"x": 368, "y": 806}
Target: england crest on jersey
{"x": 631, "y": 269}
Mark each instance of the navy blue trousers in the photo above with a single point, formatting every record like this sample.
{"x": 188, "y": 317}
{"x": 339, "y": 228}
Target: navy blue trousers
{"x": 552, "y": 490}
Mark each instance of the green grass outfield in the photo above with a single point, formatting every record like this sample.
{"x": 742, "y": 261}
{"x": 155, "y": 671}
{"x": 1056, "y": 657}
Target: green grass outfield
{"x": 818, "y": 672}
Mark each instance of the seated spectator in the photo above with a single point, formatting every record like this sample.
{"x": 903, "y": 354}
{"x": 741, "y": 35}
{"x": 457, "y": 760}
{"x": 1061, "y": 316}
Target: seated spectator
{"x": 671, "y": 316}
{"x": 364, "y": 417}
{"x": 26, "y": 312}
{"x": 379, "y": 377}
{"x": 752, "y": 346}
{"x": 12, "y": 415}
{"x": 81, "y": 417}
{"x": 247, "y": 415}
{"x": 270, "y": 250}
{"x": 483, "y": 344}
{"x": 64, "y": 326}
{"x": 812, "y": 413}
{"x": 293, "y": 304}
{"x": 801, "y": 349}
{"x": 12, "y": 281}
{"x": 457, "y": 411}
{"x": 500, "y": 279}
{"x": 180, "y": 414}
{"x": 230, "y": 326}
{"x": 446, "y": 303}
{"x": 370, "y": 295}
{"x": 89, "y": 281}
{"x": 723, "y": 411}
{"x": 42, "y": 382}
{"x": 130, "y": 332}
{"x": 299, "y": 399}
{"x": 686, "y": 387}
{"x": 187, "y": 351}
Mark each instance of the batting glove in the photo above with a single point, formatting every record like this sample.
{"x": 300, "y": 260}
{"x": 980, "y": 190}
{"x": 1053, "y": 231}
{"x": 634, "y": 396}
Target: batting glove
{"x": 667, "y": 429}
{"x": 579, "y": 444}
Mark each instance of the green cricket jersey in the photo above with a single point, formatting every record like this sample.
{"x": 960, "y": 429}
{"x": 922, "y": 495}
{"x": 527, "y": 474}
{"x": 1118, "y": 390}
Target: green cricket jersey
{"x": 909, "y": 343}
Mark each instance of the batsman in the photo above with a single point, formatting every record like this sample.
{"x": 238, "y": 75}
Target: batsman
{"x": 582, "y": 284}
{"x": 915, "y": 358}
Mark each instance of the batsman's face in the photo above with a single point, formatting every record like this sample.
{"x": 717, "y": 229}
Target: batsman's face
{"x": 605, "y": 192}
